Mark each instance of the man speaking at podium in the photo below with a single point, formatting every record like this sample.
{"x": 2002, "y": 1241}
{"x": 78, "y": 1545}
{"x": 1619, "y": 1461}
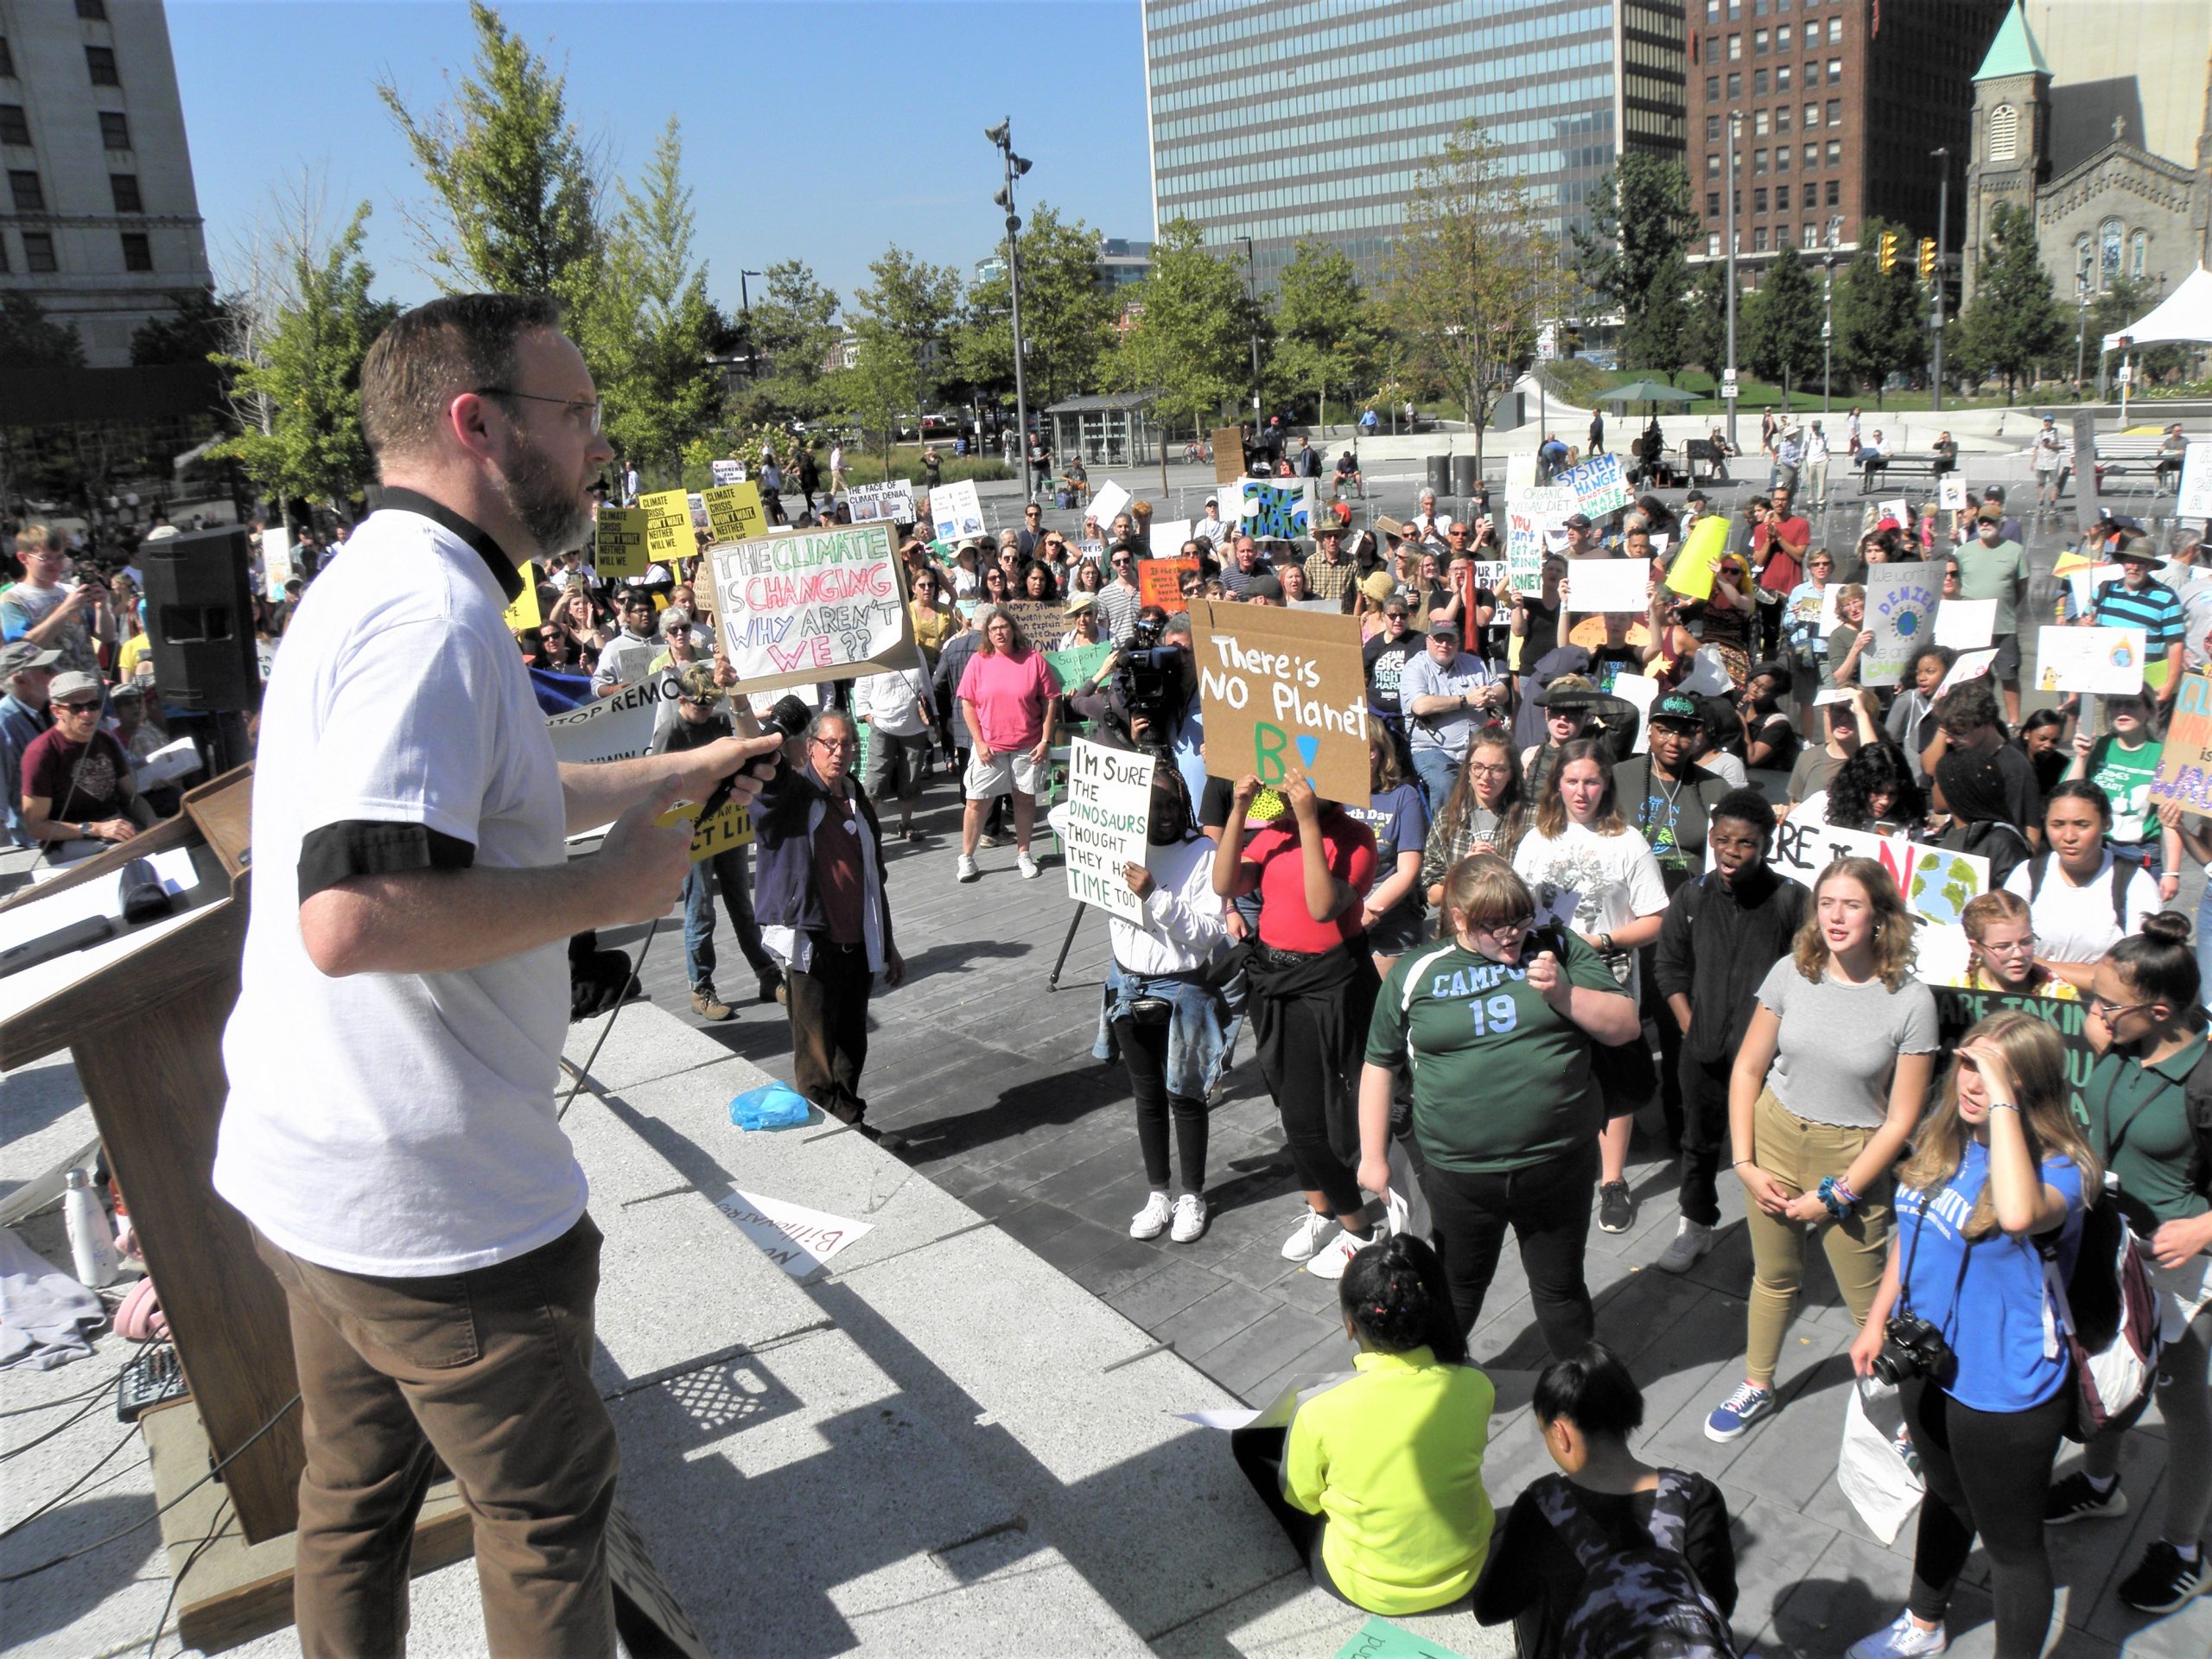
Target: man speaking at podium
{"x": 390, "y": 1129}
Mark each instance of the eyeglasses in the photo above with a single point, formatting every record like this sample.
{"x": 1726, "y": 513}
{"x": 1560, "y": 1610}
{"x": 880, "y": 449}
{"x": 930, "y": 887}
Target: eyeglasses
{"x": 2110, "y": 1012}
{"x": 1491, "y": 772}
{"x": 82, "y": 706}
{"x": 588, "y": 414}
{"x": 1512, "y": 924}
{"x": 836, "y": 744}
{"x": 2029, "y": 944}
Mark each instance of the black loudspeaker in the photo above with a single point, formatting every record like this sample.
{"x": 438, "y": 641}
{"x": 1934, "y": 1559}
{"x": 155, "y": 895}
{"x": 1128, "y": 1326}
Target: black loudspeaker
{"x": 200, "y": 620}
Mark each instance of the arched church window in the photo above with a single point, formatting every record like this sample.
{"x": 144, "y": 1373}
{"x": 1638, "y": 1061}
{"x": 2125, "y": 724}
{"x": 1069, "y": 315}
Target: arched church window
{"x": 2108, "y": 253}
{"x": 2004, "y": 133}
{"x": 2139, "y": 254}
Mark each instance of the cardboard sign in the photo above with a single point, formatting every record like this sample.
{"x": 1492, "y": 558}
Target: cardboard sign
{"x": 1691, "y": 574}
{"x": 668, "y": 526}
{"x": 727, "y": 473}
{"x": 734, "y": 512}
{"x": 1228, "y": 454}
{"x": 1597, "y": 485}
{"x": 1618, "y": 586}
{"x": 619, "y": 542}
{"x": 525, "y": 612}
{"x": 1532, "y": 519}
{"x": 2185, "y": 764}
{"x": 1951, "y": 492}
{"x": 799, "y": 604}
{"x": 1898, "y": 508}
{"x": 1041, "y": 621}
{"x": 1966, "y": 624}
{"x": 1168, "y": 537}
{"x": 956, "y": 511}
{"x": 1969, "y": 666}
{"x": 2104, "y": 661}
{"x": 276, "y": 567}
{"x": 1283, "y": 511}
{"x": 2195, "y": 500}
{"x": 1160, "y": 581}
{"x": 1108, "y": 502}
{"x": 1284, "y": 693}
{"x": 1935, "y": 884}
{"x": 1109, "y": 804}
{"x": 1900, "y": 613}
{"x": 1958, "y": 1011}
{"x": 893, "y": 501}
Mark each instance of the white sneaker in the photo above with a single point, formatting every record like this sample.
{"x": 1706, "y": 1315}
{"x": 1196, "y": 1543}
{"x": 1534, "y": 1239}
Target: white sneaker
{"x": 968, "y": 872}
{"x": 1190, "y": 1218}
{"x": 1902, "y": 1639}
{"x": 1151, "y": 1221}
{"x": 1307, "y": 1237}
{"x": 1332, "y": 1258}
{"x": 1028, "y": 867}
{"x": 1692, "y": 1240}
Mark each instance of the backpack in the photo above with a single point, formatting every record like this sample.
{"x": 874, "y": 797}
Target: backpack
{"x": 1643, "y": 1602}
{"x": 2108, "y": 1317}
{"x": 2123, "y": 872}
{"x": 2001, "y": 843}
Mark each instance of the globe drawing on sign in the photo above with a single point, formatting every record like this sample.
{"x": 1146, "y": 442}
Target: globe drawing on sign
{"x": 1943, "y": 884}
{"x": 1907, "y": 623}
{"x": 2123, "y": 654}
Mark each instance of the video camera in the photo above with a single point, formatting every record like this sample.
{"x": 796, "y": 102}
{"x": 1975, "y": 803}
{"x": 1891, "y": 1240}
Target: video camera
{"x": 1149, "y": 684}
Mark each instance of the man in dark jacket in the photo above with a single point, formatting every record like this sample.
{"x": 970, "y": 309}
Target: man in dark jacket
{"x": 1723, "y": 931}
{"x": 819, "y": 892}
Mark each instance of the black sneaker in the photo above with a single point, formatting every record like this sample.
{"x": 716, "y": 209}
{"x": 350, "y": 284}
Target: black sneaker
{"x": 2164, "y": 1581}
{"x": 2075, "y": 1499}
{"x": 1616, "y": 1207}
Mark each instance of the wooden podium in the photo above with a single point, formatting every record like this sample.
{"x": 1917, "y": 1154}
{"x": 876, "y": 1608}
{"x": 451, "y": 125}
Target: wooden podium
{"x": 143, "y": 1017}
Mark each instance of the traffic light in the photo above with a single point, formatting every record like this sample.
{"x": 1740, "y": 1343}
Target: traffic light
{"x": 1927, "y": 257}
{"x": 1889, "y": 255}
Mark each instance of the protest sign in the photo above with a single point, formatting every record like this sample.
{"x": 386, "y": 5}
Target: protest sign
{"x": 801, "y": 602}
{"x": 2185, "y": 765}
{"x": 1041, "y": 621}
{"x": 1966, "y": 624}
{"x": 1951, "y": 492}
{"x": 1228, "y": 454}
{"x": 1160, "y": 581}
{"x": 797, "y": 1239}
{"x": 1520, "y": 474}
{"x": 1283, "y": 692}
{"x": 1958, "y": 1011}
{"x": 1970, "y": 665}
{"x": 734, "y": 512}
{"x": 1108, "y": 500}
{"x": 2195, "y": 500}
{"x": 1281, "y": 510}
{"x": 525, "y": 613}
{"x": 727, "y": 473}
{"x": 617, "y": 728}
{"x": 668, "y": 526}
{"x": 1615, "y": 585}
{"x": 1896, "y": 507}
{"x": 1642, "y": 690}
{"x": 1597, "y": 485}
{"x": 1079, "y": 665}
{"x": 956, "y": 511}
{"x": 2106, "y": 661}
{"x": 1900, "y": 605}
{"x": 2083, "y": 580}
{"x": 1531, "y": 519}
{"x": 1691, "y": 574}
{"x": 619, "y": 542}
{"x": 1110, "y": 804}
{"x": 1168, "y": 535}
{"x": 869, "y": 502}
{"x": 730, "y": 827}
{"x": 1936, "y": 884}
{"x": 277, "y": 567}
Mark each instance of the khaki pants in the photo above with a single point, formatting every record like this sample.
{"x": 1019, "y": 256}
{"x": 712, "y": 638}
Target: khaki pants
{"x": 491, "y": 1370}
{"x": 1797, "y": 1153}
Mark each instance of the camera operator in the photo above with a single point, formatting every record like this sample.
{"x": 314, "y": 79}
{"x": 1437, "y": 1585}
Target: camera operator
{"x": 1998, "y": 1175}
{"x": 1150, "y": 702}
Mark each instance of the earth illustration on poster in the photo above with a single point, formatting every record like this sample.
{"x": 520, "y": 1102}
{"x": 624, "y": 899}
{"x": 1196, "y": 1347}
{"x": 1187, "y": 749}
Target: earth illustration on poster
{"x": 1943, "y": 884}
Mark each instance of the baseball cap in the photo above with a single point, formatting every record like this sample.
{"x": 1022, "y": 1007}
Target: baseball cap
{"x": 1213, "y": 500}
{"x": 1578, "y": 521}
{"x": 74, "y": 683}
{"x": 1442, "y": 627}
{"x": 1677, "y": 709}
{"x": 23, "y": 654}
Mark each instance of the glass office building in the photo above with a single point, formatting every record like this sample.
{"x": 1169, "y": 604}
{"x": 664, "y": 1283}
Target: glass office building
{"x": 1314, "y": 119}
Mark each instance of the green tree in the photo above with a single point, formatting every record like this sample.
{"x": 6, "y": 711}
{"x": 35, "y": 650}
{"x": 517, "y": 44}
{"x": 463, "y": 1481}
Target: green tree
{"x": 1632, "y": 257}
{"x": 1473, "y": 275}
{"x": 299, "y": 384}
{"x": 197, "y": 328}
{"x": 879, "y": 388}
{"x": 2014, "y": 322}
{"x": 902, "y": 322}
{"x": 1067, "y": 316}
{"x": 646, "y": 326}
{"x": 516, "y": 189}
{"x": 1880, "y": 321}
{"x": 1782, "y": 318}
{"x": 1705, "y": 320}
{"x": 29, "y": 340}
{"x": 794, "y": 329}
{"x": 1189, "y": 343}
{"x": 1327, "y": 335}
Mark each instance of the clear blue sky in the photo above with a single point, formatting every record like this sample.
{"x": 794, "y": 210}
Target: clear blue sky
{"x": 822, "y": 132}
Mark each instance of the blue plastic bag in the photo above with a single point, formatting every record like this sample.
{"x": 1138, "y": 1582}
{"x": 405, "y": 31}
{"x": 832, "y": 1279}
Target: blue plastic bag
{"x": 773, "y": 1106}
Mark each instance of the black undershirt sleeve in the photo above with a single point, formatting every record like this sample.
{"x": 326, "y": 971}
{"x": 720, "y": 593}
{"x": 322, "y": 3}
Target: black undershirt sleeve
{"x": 338, "y": 852}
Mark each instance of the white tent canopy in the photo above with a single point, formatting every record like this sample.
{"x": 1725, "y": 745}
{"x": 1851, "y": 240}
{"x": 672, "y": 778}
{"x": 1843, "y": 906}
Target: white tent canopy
{"x": 2184, "y": 316}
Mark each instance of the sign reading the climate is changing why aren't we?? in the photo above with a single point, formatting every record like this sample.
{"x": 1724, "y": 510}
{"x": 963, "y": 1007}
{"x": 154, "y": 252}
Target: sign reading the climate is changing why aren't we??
{"x": 796, "y": 607}
{"x": 1284, "y": 694}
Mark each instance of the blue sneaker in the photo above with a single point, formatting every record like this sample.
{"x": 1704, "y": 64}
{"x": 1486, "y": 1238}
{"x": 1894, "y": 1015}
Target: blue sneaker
{"x": 1738, "y": 1412}
{"x": 1901, "y": 1640}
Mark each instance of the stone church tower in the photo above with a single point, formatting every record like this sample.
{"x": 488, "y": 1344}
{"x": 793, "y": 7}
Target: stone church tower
{"x": 2010, "y": 160}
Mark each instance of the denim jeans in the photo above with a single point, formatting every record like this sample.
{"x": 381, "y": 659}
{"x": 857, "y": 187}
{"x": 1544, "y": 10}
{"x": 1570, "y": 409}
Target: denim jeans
{"x": 733, "y": 872}
{"x": 1436, "y": 768}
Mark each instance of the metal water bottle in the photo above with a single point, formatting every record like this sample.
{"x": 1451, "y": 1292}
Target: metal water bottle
{"x": 91, "y": 1241}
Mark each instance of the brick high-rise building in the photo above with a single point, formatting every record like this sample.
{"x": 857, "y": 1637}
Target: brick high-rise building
{"x": 1840, "y": 103}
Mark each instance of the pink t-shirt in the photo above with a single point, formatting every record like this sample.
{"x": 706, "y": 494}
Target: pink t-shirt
{"x": 1009, "y": 694}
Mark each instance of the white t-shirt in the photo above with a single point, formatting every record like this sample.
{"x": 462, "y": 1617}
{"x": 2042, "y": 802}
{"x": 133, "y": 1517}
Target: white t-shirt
{"x": 399, "y": 1124}
{"x": 1616, "y": 876}
{"x": 889, "y": 700}
{"x": 2077, "y": 924}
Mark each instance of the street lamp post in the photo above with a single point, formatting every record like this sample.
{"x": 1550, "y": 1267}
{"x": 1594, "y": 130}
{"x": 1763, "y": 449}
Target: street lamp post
{"x": 1252, "y": 324}
{"x": 1002, "y": 135}
{"x": 1728, "y": 234}
{"x": 1943, "y": 240}
{"x": 2081, "y": 329}
{"x": 745, "y": 301}
{"x": 1827, "y": 305}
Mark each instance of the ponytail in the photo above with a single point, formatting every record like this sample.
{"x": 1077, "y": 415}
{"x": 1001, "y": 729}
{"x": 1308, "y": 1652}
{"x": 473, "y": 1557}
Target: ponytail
{"x": 1396, "y": 1295}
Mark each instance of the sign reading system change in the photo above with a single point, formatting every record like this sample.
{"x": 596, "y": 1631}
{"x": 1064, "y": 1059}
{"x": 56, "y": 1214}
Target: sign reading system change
{"x": 1285, "y": 694}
